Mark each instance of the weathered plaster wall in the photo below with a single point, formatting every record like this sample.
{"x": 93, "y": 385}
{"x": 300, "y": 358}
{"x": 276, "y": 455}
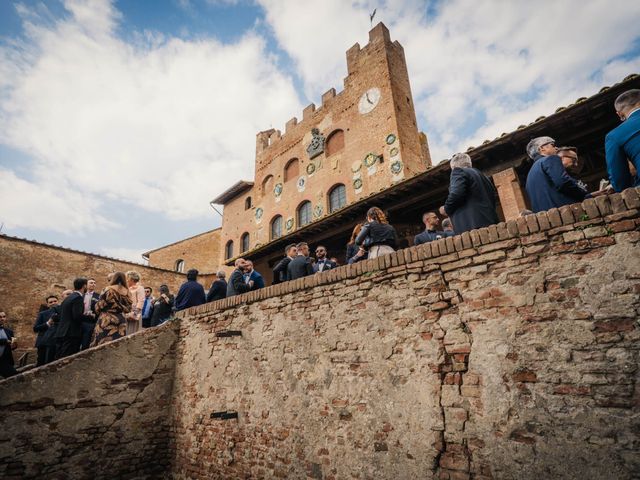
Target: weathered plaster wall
{"x": 100, "y": 414}
{"x": 509, "y": 352}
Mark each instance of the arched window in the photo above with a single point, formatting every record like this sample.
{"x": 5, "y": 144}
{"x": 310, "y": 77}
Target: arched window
{"x": 228, "y": 250}
{"x": 276, "y": 227}
{"x": 244, "y": 242}
{"x": 335, "y": 142}
{"x": 337, "y": 198}
{"x": 267, "y": 184}
{"x": 247, "y": 203}
{"x": 292, "y": 169}
{"x": 179, "y": 267}
{"x": 304, "y": 213}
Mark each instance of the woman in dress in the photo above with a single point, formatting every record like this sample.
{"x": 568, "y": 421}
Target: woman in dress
{"x": 377, "y": 236}
{"x": 112, "y": 307}
{"x": 136, "y": 294}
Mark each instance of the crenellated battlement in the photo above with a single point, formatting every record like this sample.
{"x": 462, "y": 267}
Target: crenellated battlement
{"x": 378, "y": 36}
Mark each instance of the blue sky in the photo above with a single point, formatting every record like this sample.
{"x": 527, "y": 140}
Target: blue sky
{"x": 120, "y": 120}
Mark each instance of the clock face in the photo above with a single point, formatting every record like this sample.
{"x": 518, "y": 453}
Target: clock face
{"x": 369, "y": 100}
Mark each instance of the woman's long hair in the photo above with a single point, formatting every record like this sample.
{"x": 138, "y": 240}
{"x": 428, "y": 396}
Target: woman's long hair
{"x": 119, "y": 278}
{"x": 354, "y": 234}
{"x": 377, "y": 215}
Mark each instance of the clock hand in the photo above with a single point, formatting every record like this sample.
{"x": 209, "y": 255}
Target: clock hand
{"x": 368, "y": 99}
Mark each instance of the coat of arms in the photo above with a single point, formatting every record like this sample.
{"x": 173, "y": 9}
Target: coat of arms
{"x": 316, "y": 147}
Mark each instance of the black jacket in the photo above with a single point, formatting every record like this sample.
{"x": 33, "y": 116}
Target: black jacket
{"x": 41, "y": 327}
{"x": 280, "y": 271}
{"x": 161, "y": 310}
{"x": 328, "y": 265}
{"x": 299, "y": 267}
{"x": 236, "y": 284}
{"x": 218, "y": 291}
{"x": 374, "y": 233}
{"x": 430, "y": 236}
{"x": 72, "y": 316}
{"x": 7, "y": 355}
{"x": 471, "y": 202}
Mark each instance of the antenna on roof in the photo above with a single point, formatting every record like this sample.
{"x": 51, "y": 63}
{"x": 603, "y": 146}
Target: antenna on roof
{"x": 371, "y": 15}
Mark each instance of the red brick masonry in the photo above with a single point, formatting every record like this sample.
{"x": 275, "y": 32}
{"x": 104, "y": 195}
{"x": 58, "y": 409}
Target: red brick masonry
{"x": 507, "y": 352}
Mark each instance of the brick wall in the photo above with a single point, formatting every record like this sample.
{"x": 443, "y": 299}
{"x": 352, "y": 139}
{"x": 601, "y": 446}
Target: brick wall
{"x": 29, "y": 271}
{"x": 507, "y": 352}
{"x": 201, "y": 252}
{"x": 100, "y": 414}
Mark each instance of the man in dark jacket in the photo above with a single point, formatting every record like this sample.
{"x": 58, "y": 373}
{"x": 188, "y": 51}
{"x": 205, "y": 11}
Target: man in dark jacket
{"x": 218, "y": 289}
{"x": 250, "y": 274}
{"x": 42, "y": 324}
{"x": 322, "y": 262}
{"x": 548, "y": 183}
{"x": 237, "y": 283}
{"x": 7, "y": 344}
{"x": 431, "y": 233}
{"x": 191, "y": 293}
{"x": 471, "y": 202}
{"x": 622, "y": 144}
{"x": 69, "y": 331}
{"x": 280, "y": 270}
{"x": 300, "y": 266}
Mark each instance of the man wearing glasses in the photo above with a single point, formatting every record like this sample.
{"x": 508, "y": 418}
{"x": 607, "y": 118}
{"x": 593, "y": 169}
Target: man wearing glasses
{"x": 548, "y": 183}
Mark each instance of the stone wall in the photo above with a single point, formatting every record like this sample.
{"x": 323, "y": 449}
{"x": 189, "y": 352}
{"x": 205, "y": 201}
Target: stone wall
{"x": 201, "y": 252}
{"x": 100, "y": 414}
{"x": 508, "y": 352}
{"x": 29, "y": 271}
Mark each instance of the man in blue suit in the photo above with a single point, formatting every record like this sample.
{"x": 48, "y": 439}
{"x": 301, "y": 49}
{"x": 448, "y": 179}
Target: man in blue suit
{"x": 622, "y": 144}
{"x": 548, "y": 183}
{"x": 250, "y": 275}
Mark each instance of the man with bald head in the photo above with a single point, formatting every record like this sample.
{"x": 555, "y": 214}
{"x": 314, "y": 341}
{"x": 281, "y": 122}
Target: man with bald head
{"x": 237, "y": 284}
{"x": 622, "y": 144}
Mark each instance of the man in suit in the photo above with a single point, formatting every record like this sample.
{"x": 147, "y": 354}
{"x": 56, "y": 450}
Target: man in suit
{"x": 147, "y": 307}
{"x": 622, "y": 144}
{"x": 300, "y": 266}
{"x": 218, "y": 289}
{"x": 237, "y": 283}
{"x": 471, "y": 202}
{"x": 90, "y": 299}
{"x": 322, "y": 262}
{"x": 7, "y": 345}
{"x": 431, "y": 232}
{"x": 250, "y": 274}
{"x": 280, "y": 270}
{"x": 69, "y": 331}
{"x": 548, "y": 183}
{"x": 42, "y": 324}
{"x": 191, "y": 293}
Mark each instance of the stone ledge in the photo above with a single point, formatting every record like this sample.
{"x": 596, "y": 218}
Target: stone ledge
{"x": 593, "y": 211}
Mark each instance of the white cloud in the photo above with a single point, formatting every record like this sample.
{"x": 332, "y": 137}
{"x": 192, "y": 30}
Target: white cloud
{"x": 47, "y": 205}
{"x": 161, "y": 124}
{"x": 130, "y": 254}
{"x": 508, "y": 62}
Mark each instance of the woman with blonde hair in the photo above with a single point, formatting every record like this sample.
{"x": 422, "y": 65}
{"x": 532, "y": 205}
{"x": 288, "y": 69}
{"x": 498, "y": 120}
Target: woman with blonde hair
{"x": 377, "y": 236}
{"x": 113, "y": 305}
{"x": 136, "y": 294}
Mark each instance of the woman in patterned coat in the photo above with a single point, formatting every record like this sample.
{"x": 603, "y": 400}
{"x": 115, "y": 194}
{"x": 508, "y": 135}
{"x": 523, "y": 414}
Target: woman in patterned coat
{"x": 112, "y": 307}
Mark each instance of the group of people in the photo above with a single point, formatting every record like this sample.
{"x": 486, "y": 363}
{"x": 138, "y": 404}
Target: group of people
{"x": 81, "y": 317}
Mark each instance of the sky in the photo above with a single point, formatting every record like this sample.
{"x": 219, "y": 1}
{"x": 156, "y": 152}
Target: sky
{"x": 121, "y": 119}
